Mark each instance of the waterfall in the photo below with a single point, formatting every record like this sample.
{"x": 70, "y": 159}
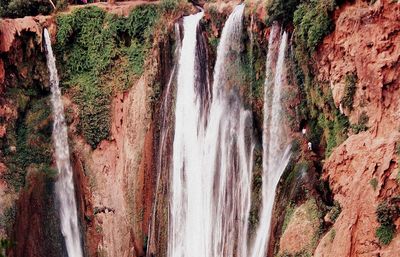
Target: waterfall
{"x": 276, "y": 150}
{"x": 212, "y": 154}
{"x": 186, "y": 221}
{"x": 65, "y": 185}
{"x": 163, "y": 161}
{"x": 228, "y": 149}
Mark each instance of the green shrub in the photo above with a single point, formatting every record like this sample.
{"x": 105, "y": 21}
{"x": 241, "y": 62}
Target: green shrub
{"x": 140, "y": 22}
{"x": 169, "y": 5}
{"x": 281, "y": 10}
{"x": 288, "y": 216}
{"x": 136, "y": 55}
{"x": 386, "y": 213}
{"x": 32, "y": 142}
{"x": 92, "y": 44}
{"x": 374, "y": 183}
{"x": 312, "y": 23}
{"x": 335, "y": 211}
{"x": 4, "y": 245}
{"x": 7, "y": 219}
{"x": 332, "y": 235}
{"x": 349, "y": 90}
{"x": 21, "y": 8}
{"x": 362, "y": 123}
{"x": 385, "y": 233}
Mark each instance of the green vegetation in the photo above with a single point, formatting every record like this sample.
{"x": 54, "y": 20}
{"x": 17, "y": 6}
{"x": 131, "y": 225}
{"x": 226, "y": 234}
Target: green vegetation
{"x": 281, "y": 10}
{"x": 256, "y": 193}
{"x": 362, "y": 123}
{"x": 312, "y": 23}
{"x": 169, "y": 5}
{"x": 335, "y": 131}
{"x": 335, "y": 211}
{"x": 8, "y": 217}
{"x": 30, "y": 146}
{"x": 385, "y": 234}
{"x": 21, "y": 8}
{"x": 302, "y": 253}
{"x": 332, "y": 235}
{"x": 398, "y": 161}
{"x": 288, "y": 215}
{"x": 349, "y": 90}
{"x": 374, "y": 183}
{"x": 386, "y": 214}
{"x": 92, "y": 44}
{"x": 4, "y": 245}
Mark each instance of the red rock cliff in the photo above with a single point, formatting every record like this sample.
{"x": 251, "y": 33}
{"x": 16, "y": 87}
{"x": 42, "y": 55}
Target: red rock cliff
{"x": 365, "y": 42}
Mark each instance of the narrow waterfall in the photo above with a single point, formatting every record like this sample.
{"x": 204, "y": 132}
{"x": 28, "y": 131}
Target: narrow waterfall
{"x": 65, "y": 185}
{"x": 163, "y": 162}
{"x": 186, "y": 233}
{"x": 212, "y": 154}
{"x": 228, "y": 149}
{"x": 276, "y": 150}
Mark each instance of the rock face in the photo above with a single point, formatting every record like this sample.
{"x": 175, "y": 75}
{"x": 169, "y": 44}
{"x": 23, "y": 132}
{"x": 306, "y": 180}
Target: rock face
{"x": 121, "y": 173}
{"x": 365, "y": 42}
{"x": 350, "y": 169}
{"x": 301, "y": 229}
{"x": 116, "y": 181}
{"x": 22, "y": 65}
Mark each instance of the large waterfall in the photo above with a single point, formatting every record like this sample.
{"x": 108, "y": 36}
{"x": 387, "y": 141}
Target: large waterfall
{"x": 212, "y": 154}
{"x": 276, "y": 150}
{"x": 65, "y": 184}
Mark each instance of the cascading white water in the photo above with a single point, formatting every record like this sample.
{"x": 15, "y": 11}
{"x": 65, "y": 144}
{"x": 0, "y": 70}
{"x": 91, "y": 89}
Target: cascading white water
{"x": 163, "y": 161}
{"x": 212, "y": 154}
{"x": 186, "y": 222}
{"x": 228, "y": 149}
{"x": 276, "y": 150}
{"x": 65, "y": 185}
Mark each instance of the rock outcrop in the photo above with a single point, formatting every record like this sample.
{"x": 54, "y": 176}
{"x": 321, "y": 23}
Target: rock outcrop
{"x": 365, "y": 42}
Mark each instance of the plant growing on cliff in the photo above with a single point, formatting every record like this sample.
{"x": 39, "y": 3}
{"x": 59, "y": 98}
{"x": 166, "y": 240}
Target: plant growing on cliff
{"x": 362, "y": 123}
{"x": 335, "y": 211}
{"x": 312, "y": 23}
{"x": 4, "y": 245}
{"x": 374, "y": 183}
{"x": 21, "y": 8}
{"x": 386, "y": 214}
{"x": 350, "y": 86}
{"x": 33, "y": 147}
{"x": 288, "y": 216}
{"x": 93, "y": 43}
{"x": 385, "y": 234}
{"x": 281, "y": 10}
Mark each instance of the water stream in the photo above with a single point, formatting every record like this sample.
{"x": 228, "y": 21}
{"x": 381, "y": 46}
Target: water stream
{"x": 65, "y": 184}
{"x": 276, "y": 150}
{"x": 212, "y": 154}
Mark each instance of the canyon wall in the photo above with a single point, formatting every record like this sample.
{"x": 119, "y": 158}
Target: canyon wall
{"x": 116, "y": 178}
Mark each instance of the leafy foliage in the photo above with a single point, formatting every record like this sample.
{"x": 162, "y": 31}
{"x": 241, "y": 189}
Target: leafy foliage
{"x": 386, "y": 213}
{"x": 92, "y": 43}
{"x": 4, "y": 245}
{"x": 362, "y": 123}
{"x": 374, "y": 183}
{"x": 385, "y": 233}
{"x": 8, "y": 217}
{"x": 281, "y": 10}
{"x": 33, "y": 143}
{"x": 21, "y": 8}
{"x": 335, "y": 211}
{"x": 349, "y": 90}
{"x": 312, "y": 23}
{"x": 288, "y": 215}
